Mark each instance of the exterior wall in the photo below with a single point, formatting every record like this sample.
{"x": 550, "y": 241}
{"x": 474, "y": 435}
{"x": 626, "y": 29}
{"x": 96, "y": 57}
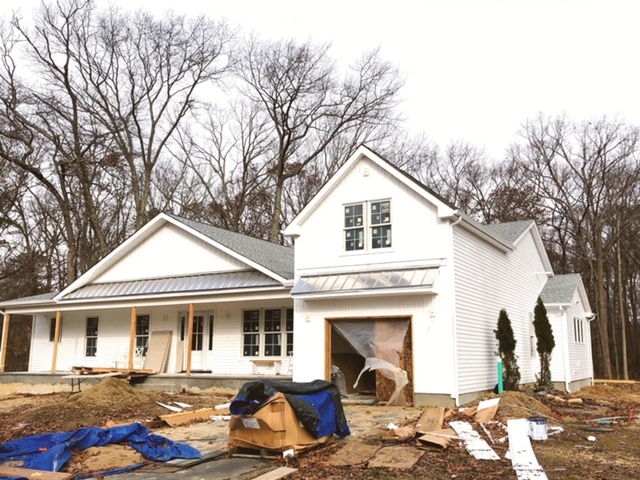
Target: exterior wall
{"x": 558, "y": 321}
{"x": 180, "y": 253}
{"x": 113, "y": 338}
{"x": 487, "y": 280}
{"x": 433, "y": 360}
{"x": 418, "y": 236}
{"x": 571, "y": 361}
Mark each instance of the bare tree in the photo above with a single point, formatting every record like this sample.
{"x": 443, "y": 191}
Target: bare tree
{"x": 298, "y": 87}
{"x": 585, "y": 170}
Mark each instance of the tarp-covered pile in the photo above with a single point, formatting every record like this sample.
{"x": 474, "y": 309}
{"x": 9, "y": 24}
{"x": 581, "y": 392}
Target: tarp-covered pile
{"x": 51, "y": 451}
{"x": 283, "y": 415}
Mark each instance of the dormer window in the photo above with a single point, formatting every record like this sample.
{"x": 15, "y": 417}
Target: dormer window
{"x": 372, "y": 231}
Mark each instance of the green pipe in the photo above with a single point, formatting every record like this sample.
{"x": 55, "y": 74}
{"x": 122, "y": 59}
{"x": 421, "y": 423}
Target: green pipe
{"x": 500, "y": 386}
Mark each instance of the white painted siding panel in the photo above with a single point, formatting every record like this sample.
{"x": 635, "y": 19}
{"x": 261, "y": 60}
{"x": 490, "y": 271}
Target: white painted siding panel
{"x": 579, "y": 352}
{"x": 170, "y": 251}
{"x": 487, "y": 280}
{"x": 558, "y": 323}
{"x": 417, "y": 233}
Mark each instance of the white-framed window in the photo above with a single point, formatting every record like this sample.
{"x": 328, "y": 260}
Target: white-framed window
{"x": 578, "y": 330}
{"x": 197, "y": 336}
{"x": 532, "y": 336}
{"x": 142, "y": 334}
{"x": 52, "y": 330}
{"x": 265, "y": 331}
{"x": 91, "y": 337}
{"x": 367, "y": 225}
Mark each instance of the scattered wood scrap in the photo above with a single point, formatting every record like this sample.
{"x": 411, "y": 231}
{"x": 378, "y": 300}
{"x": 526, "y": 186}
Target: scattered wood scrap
{"x": 441, "y": 437}
{"x": 354, "y": 453}
{"x": 18, "y": 472}
{"x": 431, "y": 420}
{"x": 396, "y": 457}
{"x": 487, "y": 409}
{"x": 279, "y": 472}
{"x": 175, "y": 419}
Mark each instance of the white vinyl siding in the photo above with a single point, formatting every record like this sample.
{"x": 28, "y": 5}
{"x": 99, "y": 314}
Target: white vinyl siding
{"x": 487, "y": 280}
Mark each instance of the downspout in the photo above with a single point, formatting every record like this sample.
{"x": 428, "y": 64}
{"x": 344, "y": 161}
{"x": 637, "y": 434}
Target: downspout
{"x": 565, "y": 349}
{"x": 454, "y": 318}
{"x": 591, "y": 319}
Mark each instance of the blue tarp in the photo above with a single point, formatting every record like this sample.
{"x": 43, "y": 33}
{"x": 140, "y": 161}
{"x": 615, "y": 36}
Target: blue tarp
{"x": 50, "y": 451}
{"x": 317, "y": 404}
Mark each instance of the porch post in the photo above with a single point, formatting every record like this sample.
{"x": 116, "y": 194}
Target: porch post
{"x": 190, "y": 337}
{"x": 5, "y": 340}
{"x": 56, "y": 336}
{"x": 132, "y": 337}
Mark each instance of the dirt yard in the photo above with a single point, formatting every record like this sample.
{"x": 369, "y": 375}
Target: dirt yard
{"x": 600, "y": 436}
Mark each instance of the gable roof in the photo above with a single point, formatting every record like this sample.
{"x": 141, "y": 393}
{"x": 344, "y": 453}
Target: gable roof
{"x": 510, "y": 232}
{"x": 560, "y": 289}
{"x": 444, "y": 209}
{"x": 274, "y": 257}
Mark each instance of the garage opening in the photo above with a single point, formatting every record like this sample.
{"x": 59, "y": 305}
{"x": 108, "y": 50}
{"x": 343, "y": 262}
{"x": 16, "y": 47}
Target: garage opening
{"x": 372, "y": 357}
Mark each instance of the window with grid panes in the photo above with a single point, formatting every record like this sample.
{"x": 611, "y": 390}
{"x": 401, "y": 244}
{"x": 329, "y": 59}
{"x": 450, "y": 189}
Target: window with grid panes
{"x": 289, "y": 331}
{"x": 142, "y": 333}
{"x": 251, "y": 333}
{"x": 381, "y": 224}
{"x": 354, "y": 227}
{"x": 91, "y": 337}
{"x": 273, "y": 332}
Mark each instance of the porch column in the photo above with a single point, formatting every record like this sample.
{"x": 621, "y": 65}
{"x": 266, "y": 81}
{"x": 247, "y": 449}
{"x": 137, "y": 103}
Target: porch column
{"x": 56, "y": 336}
{"x": 132, "y": 337}
{"x": 190, "y": 337}
{"x": 5, "y": 340}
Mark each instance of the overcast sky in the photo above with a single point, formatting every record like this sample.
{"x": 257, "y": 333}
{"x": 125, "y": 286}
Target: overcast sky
{"x": 475, "y": 69}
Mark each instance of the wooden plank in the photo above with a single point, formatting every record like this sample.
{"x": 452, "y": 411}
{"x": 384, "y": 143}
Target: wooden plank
{"x": 175, "y": 419}
{"x": 431, "y": 420}
{"x": 93, "y": 370}
{"x": 30, "y": 473}
{"x": 5, "y": 341}
{"x": 623, "y": 382}
{"x": 279, "y": 472}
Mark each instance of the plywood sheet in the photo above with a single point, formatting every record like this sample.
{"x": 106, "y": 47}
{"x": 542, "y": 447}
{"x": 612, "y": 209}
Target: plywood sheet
{"x": 158, "y": 351}
{"x": 353, "y": 453}
{"x": 487, "y": 409}
{"x": 431, "y": 419}
{"x": 396, "y": 457}
{"x": 15, "y": 472}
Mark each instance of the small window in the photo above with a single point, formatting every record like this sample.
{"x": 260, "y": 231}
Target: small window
{"x": 578, "y": 330}
{"x": 52, "y": 330}
{"x": 142, "y": 334}
{"x": 289, "y": 330}
{"x": 91, "y": 338}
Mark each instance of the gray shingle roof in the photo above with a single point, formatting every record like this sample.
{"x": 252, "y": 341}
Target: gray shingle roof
{"x": 509, "y": 232}
{"x": 274, "y": 257}
{"x": 560, "y": 289}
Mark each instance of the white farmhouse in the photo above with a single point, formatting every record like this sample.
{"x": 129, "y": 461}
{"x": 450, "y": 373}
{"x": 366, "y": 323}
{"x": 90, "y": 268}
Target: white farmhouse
{"x": 392, "y": 287}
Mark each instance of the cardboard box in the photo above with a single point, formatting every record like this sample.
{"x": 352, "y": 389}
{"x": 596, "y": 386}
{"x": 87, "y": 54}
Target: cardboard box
{"x": 274, "y": 427}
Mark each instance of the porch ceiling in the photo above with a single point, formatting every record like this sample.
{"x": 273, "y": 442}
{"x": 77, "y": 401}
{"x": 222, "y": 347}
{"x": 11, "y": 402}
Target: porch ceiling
{"x": 394, "y": 281}
{"x": 192, "y": 283}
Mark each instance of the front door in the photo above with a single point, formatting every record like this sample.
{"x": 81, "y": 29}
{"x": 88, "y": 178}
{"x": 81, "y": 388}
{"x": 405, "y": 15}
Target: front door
{"x": 201, "y": 340}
